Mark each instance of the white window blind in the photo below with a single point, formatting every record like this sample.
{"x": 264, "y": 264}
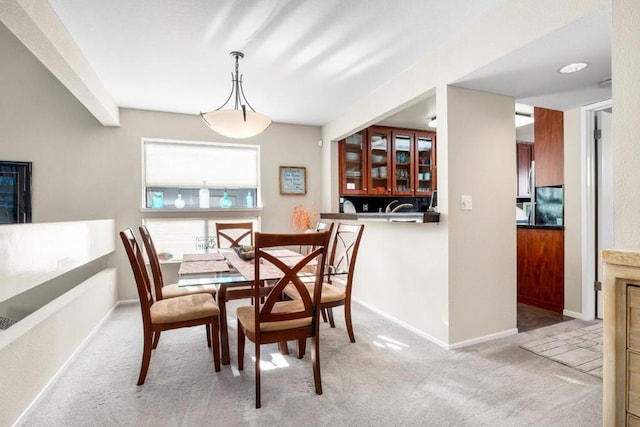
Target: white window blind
{"x": 179, "y": 164}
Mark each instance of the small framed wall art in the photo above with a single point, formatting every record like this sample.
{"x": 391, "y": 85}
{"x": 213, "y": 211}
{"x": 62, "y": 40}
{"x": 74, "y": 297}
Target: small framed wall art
{"x": 293, "y": 180}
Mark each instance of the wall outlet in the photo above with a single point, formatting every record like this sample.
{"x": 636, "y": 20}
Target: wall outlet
{"x": 466, "y": 202}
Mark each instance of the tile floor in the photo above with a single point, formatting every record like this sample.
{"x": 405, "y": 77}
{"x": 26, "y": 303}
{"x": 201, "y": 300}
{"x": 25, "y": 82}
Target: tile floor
{"x": 580, "y": 349}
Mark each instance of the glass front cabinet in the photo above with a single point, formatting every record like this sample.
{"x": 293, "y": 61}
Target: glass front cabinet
{"x": 403, "y": 175}
{"x": 425, "y": 163}
{"x": 388, "y": 161}
{"x": 379, "y": 165}
{"x": 353, "y": 156}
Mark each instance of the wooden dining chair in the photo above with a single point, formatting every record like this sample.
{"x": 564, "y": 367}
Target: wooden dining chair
{"x": 172, "y": 290}
{"x": 172, "y": 313}
{"x": 336, "y": 290}
{"x": 276, "y": 321}
{"x": 324, "y": 226}
{"x": 234, "y": 234}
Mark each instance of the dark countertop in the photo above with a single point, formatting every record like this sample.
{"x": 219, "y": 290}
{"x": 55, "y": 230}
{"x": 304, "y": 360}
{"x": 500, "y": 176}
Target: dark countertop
{"x": 419, "y": 217}
{"x": 542, "y": 227}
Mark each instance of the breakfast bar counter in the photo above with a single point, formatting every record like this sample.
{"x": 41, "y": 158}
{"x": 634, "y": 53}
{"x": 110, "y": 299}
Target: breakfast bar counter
{"x": 417, "y": 217}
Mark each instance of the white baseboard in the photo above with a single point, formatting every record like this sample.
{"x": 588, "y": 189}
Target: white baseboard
{"x": 573, "y": 314}
{"x": 482, "y": 339}
{"x": 434, "y": 339}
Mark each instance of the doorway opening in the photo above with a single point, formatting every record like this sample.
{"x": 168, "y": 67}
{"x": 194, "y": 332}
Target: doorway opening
{"x": 597, "y": 202}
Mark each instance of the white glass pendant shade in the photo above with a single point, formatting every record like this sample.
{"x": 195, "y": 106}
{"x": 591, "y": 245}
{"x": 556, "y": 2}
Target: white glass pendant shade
{"x": 231, "y": 123}
{"x": 241, "y": 121}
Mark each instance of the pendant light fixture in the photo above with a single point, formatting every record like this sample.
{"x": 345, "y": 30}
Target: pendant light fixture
{"x": 237, "y": 122}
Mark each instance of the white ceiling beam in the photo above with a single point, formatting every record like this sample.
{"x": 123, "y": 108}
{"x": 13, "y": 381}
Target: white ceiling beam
{"x": 38, "y": 27}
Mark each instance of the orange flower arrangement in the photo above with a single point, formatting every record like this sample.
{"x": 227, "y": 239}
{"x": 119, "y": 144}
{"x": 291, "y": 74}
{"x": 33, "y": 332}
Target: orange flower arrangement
{"x": 304, "y": 219}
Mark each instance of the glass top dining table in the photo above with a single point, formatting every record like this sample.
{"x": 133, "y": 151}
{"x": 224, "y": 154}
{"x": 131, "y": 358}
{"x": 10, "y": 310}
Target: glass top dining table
{"x": 233, "y": 278}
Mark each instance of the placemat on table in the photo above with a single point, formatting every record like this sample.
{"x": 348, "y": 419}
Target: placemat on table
{"x": 282, "y": 253}
{"x": 214, "y": 256}
{"x": 267, "y": 269}
{"x": 198, "y": 267}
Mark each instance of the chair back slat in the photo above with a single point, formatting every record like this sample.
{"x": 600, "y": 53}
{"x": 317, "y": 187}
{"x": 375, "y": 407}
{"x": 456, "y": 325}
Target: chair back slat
{"x": 318, "y": 242}
{"x": 154, "y": 261}
{"x": 234, "y": 234}
{"x": 136, "y": 260}
{"x": 344, "y": 250}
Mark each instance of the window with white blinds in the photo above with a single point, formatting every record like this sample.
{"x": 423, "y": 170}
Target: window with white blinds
{"x": 188, "y": 164}
{"x": 195, "y": 175}
{"x": 173, "y": 175}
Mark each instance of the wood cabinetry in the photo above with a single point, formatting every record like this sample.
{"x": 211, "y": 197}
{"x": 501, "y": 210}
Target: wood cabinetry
{"x": 425, "y": 163}
{"x": 379, "y": 160}
{"x": 403, "y": 162}
{"x": 621, "y": 345}
{"x": 549, "y": 136}
{"x": 633, "y": 352}
{"x": 525, "y": 155}
{"x": 352, "y": 161}
{"x": 388, "y": 161}
{"x": 540, "y": 263}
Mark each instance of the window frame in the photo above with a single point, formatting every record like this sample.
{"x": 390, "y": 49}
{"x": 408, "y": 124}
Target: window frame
{"x": 257, "y": 199}
{"x": 205, "y": 215}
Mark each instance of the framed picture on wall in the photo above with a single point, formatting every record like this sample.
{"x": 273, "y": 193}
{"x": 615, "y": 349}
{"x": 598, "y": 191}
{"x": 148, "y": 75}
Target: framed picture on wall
{"x": 293, "y": 180}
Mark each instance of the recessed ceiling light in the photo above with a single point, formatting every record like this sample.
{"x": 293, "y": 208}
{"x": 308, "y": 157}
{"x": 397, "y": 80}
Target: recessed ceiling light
{"x": 573, "y": 68}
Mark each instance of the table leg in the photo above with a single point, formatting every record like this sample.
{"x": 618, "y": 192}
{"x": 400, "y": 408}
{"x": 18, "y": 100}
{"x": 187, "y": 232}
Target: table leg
{"x": 224, "y": 333}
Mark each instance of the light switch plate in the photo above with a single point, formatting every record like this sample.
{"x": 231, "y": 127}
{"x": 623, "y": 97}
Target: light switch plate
{"x": 466, "y": 202}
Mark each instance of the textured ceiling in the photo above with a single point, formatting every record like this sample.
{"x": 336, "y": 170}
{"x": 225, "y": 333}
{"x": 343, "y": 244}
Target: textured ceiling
{"x": 305, "y": 60}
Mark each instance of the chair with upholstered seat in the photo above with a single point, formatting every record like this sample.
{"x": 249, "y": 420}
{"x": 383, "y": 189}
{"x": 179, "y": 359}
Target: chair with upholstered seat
{"x": 171, "y": 313}
{"x": 324, "y": 226}
{"x": 172, "y": 290}
{"x": 276, "y": 321}
{"x": 234, "y": 234}
{"x": 336, "y": 290}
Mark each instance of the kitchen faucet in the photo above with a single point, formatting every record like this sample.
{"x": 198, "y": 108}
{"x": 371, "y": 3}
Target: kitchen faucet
{"x": 400, "y": 206}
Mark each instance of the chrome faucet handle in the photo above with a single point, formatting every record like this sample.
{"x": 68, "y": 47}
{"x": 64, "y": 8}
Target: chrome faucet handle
{"x": 404, "y": 205}
{"x": 388, "y": 208}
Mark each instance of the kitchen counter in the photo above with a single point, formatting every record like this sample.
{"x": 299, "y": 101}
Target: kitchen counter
{"x": 541, "y": 227}
{"x": 418, "y": 217}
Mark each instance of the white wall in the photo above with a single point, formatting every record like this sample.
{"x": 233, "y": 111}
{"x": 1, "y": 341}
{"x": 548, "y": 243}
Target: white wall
{"x": 482, "y": 241}
{"x": 401, "y": 272}
{"x": 47, "y": 339}
{"x": 36, "y": 253}
{"x": 625, "y": 123}
{"x": 573, "y": 212}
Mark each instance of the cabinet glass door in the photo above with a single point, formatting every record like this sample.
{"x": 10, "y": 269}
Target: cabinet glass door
{"x": 403, "y": 170}
{"x": 425, "y": 175}
{"x": 379, "y": 168}
{"x": 353, "y": 158}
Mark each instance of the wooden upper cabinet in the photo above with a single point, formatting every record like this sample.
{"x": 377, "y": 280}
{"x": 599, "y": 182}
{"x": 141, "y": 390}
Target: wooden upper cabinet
{"x": 549, "y": 146}
{"x": 388, "y": 161}
{"x": 353, "y": 165}
{"x": 425, "y": 163}
{"x": 403, "y": 163}
{"x": 379, "y": 160}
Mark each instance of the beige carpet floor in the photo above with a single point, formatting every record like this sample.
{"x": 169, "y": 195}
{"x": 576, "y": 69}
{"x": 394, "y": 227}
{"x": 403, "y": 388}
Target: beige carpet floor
{"x": 580, "y": 349}
{"x": 389, "y": 377}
